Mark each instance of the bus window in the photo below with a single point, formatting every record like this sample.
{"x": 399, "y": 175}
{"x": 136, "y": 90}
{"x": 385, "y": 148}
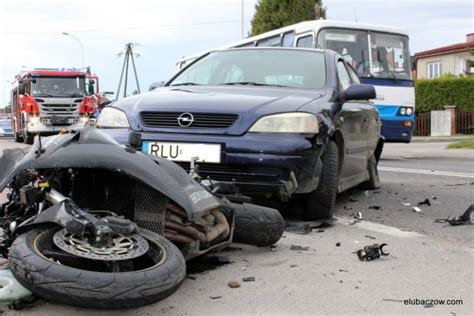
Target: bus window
{"x": 305, "y": 41}
{"x": 390, "y": 58}
{"x": 355, "y": 78}
{"x": 271, "y": 41}
{"x": 352, "y": 45}
{"x": 288, "y": 39}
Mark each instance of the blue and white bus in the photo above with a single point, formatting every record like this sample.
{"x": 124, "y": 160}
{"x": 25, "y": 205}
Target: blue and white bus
{"x": 379, "y": 53}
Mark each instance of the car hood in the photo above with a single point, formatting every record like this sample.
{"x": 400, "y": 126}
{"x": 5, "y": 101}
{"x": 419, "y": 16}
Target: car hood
{"x": 248, "y": 102}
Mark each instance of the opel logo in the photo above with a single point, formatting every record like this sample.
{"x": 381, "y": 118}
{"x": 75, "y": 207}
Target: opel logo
{"x": 185, "y": 119}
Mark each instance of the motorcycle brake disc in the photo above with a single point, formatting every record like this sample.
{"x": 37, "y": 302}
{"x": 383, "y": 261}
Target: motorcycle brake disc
{"x": 122, "y": 248}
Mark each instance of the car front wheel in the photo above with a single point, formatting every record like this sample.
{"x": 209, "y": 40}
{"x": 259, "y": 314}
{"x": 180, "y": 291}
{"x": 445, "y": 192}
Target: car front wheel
{"x": 320, "y": 202}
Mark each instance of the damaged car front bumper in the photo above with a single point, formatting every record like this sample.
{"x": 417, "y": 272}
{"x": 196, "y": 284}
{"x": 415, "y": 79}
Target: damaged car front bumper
{"x": 256, "y": 162}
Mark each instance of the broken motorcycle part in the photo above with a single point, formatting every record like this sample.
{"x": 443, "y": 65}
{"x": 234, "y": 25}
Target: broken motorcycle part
{"x": 372, "y": 252}
{"x": 465, "y": 219}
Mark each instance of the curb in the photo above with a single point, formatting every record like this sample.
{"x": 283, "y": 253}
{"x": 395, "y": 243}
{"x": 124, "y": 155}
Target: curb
{"x": 440, "y": 139}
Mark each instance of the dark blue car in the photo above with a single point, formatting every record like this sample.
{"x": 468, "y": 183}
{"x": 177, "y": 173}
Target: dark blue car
{"x": 278, "y": 122}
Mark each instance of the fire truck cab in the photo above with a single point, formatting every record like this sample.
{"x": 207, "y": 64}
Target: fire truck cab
{"x": 46, "y": 101}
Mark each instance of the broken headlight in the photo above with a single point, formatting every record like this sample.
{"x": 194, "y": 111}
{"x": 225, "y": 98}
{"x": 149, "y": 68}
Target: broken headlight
{"x": 304, "y": 123}
{"x": 112, "y": 118}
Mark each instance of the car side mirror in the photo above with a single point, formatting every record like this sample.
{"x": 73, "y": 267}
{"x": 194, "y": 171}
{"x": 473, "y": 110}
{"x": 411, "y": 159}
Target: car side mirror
{"x": 358, "y": 92}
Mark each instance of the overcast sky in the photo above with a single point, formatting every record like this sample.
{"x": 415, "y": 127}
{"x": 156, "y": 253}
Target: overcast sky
{"x": 30, "y": 31}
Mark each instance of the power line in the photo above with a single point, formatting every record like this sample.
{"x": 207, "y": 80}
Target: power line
{"x": 129, "y": 28}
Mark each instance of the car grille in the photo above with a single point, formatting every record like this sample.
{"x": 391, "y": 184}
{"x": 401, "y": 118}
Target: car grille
{"x": 201, "y": 120}
{"x": 59, "y": 109}
{"x": 230, "y": 173}
{"x": 150, "y": 209}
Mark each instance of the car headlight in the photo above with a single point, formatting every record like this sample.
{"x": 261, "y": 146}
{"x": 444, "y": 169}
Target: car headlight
{"x": 403, "y": 111}
{"x": 112, "y": 118}
{"x": 409, "y": 111}
{"x": 304, "y": 123}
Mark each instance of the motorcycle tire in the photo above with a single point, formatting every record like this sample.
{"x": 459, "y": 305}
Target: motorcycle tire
{"x": 257, "y": 225}
{"x": 57, "y": 282}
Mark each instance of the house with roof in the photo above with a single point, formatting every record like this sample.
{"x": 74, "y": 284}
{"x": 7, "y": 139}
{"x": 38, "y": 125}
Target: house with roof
{"x": 453, "y": 59}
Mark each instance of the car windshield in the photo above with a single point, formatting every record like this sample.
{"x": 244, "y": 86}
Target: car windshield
{"x": 257, "y": 67}
{"x": 5, "y": 123}
{"x": 58, "y": 87}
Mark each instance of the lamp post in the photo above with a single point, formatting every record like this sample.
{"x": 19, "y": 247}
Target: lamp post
{"x": 82, "y": 48}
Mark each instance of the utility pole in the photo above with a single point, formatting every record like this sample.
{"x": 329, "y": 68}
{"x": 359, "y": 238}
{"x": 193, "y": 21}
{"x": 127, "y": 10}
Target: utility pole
{"x": 317, "y": 11}
{"x": 242, "y": 30}
{"x": 129, "y": 56}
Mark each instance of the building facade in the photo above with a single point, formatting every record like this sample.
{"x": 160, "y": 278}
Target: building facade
{"x": 453, "y": 59}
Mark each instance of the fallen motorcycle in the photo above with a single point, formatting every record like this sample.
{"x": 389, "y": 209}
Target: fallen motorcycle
{"x": 95, "y": 224}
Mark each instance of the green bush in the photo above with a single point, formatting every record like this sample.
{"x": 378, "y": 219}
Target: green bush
{"x": 434, "y": 94}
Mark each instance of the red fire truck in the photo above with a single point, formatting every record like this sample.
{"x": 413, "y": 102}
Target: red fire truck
{"x": 46, "y": 101}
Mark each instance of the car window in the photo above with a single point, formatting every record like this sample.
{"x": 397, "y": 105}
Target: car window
{"x": 344, "y": 78}
{"x": 353, "y": 73}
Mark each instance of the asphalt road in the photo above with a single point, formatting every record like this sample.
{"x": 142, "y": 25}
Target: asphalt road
{"x": 428, "y": 260}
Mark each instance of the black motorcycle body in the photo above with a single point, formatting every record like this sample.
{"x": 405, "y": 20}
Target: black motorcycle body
{"x": 92, "y": 223}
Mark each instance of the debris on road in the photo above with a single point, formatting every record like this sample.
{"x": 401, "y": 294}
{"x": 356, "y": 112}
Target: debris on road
{"x": 215, "y": 297}
{"x": 417, "y": 209}
{"x": 425, "y": 202}
{"x": 338, "y": 244}
{"x": 306, "y": 228}
{"x": 375, "y": 207}
{"x": 293, "y": 266}
{"x": 233, "y": 284}
{"x": 406, "y": 204}
{"x": 357, "y": 215}
{"x": 298, "y": 248}
{"x": 371, "y": 252}
{"x": 466, "y": 218}
{"x": 370, "y": 237}
{"x": 249, "y": 279}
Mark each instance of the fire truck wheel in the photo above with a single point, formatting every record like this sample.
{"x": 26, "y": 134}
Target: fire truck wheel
{"x": 28, "y": 138}
{"x": 18, "y": 138}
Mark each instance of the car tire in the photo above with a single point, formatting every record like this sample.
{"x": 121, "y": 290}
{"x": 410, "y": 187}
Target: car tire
{"x": 320, "y": 203}
{"x": 63, "y": 284}
{"x": 374, "y": 182}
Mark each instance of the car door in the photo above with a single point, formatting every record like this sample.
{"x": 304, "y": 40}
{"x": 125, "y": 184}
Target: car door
{"x": 353, "y": 114}
{"x": 372, "y": 119}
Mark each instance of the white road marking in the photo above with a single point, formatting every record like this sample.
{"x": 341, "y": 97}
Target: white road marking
{"x": 431, "y": 172}
{"x": 378, "y": 228}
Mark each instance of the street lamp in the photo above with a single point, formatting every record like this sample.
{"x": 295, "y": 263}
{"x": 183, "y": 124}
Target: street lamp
{"x": 82, "y": 48}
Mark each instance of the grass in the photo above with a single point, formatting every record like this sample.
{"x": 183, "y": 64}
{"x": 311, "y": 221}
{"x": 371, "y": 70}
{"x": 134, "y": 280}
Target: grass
{"x": 464, "y": 144}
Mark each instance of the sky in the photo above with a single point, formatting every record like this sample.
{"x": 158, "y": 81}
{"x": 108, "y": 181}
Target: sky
{"x": 164, "y": 31}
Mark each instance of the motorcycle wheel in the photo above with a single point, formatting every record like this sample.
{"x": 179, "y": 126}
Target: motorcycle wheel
{"x": 62, "y": 278}
{"x": 257, "y": 225}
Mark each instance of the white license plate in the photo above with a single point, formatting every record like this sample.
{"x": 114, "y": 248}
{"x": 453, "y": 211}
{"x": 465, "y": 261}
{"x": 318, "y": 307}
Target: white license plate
{"x": 210, "y": 153}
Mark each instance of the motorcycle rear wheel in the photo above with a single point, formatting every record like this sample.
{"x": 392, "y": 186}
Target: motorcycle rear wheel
{"x": 59, "y": 277}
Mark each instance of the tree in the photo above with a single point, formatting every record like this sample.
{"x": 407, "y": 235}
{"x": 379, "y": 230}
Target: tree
{"x": 273, "y": 14}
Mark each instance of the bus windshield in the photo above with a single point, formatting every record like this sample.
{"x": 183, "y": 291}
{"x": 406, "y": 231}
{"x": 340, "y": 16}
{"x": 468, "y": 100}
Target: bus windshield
{"x": 58, "y": 87}
{"x": 388, "y": 57}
